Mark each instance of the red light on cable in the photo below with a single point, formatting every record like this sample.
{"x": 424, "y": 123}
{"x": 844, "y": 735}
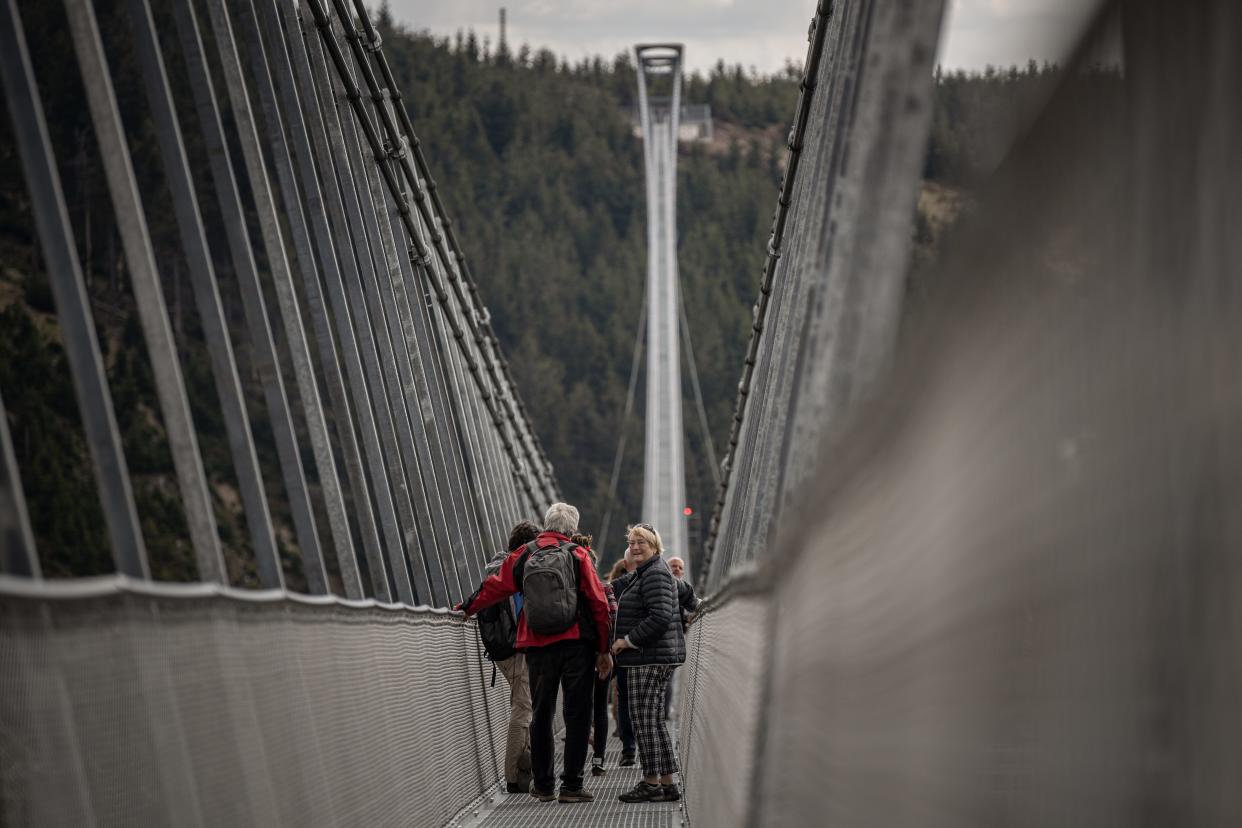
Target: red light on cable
{"x": 687, "y": 511}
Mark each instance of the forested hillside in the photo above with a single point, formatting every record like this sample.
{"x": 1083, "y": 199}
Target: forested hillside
{"x": 540, "y": 170}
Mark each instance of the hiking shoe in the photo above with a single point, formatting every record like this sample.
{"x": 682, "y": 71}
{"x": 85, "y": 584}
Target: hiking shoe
{"x": 542, "y": 796}
{"x": 644, "y": 791}
{"x": 597, "y": 766}
{"x": 516, "y": 787}
{"x": 671, "y": 794}
{"x": 627, "y": 760}
{"x": 575, "y": 795}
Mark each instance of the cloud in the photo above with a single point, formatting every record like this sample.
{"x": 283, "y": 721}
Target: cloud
{"x": 978, "y": 33}
{"x": 764, "y": 34}
{"x": 759, "y": 34}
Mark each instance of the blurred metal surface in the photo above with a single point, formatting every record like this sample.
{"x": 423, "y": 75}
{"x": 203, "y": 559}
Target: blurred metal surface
{"x": 1009, "y": 593}
{"x": 830, "y": 297}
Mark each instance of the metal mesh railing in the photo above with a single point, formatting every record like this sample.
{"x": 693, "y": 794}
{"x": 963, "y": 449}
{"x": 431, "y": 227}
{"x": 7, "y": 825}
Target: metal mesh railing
{"x": 132, "y": 704}
{"x": 720, "y": 686}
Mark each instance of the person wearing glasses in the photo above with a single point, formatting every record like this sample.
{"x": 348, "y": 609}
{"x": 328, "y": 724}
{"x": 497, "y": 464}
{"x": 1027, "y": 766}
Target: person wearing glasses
{"x": 649, "y": 645}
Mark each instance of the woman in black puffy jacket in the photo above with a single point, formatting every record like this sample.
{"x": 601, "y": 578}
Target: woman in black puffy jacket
{"x": 649, "y": 645}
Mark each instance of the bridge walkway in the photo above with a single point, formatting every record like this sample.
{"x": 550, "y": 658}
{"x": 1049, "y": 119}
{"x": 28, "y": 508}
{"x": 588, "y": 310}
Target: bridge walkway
{"x": 498, "y": 809}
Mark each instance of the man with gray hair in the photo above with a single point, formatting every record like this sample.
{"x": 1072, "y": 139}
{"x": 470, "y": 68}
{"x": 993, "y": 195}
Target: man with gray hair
{"x": 687, "y": 604}
{"x": 564, "y": 631}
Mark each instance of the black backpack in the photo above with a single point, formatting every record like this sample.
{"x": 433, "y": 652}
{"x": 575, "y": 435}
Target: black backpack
{"x": 550, "y": 588}
{"x": 497, "y": 625}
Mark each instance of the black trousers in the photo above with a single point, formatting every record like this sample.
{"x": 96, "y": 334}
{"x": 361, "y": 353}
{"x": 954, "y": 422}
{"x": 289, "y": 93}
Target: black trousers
{"x": 599, "y": 707}
{"x": 568, "y": 666}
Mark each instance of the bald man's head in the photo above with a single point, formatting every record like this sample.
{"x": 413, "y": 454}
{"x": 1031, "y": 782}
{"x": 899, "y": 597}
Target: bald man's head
{"x": 678, "y": 566}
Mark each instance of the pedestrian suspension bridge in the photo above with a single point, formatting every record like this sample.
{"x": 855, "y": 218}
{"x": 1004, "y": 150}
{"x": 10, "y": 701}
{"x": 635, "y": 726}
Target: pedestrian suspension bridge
{"x": 974, "y": 559}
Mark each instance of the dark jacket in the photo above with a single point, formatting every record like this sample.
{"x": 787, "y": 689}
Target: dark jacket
{"x": 687, "y": 602}
{"x": 648, "y": 615}
{"x": 686, "y": 599}
{"x": 592, "y": 603}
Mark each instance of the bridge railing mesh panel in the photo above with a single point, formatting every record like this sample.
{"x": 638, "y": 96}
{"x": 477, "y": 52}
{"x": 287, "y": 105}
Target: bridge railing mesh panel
{"x": 141, "y": 709}
{"x": 719, "y": 705}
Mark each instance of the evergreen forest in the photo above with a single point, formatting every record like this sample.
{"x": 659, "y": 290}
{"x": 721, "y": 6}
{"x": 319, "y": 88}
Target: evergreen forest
{"x": 541, "y": 171}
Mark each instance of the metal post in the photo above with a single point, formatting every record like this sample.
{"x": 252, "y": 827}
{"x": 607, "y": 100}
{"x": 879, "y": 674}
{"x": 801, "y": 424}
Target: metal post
{"x": 435, "y": 539}
{"x": 253, "y": 304}
{"x": 77, "y": 328}
{"x": 286, "y": 299}
{"x": 339, "y": 267}
{"x": 456, "y": 262}
{"x": 202, "y": 273}
{"x": 148, "y": 295}
{"x": 304, "y": 259}
{"x": 330, "y": 146}
{"x": 330, "y": 359}
{"x": 445, "y": 503}
{"x": 18, "y": 555}
{"x": 437, "y": 249}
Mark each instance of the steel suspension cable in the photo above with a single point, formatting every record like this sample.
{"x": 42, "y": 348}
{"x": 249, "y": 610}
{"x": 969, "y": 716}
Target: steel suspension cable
{"x": 148, "y": 294}
{"x": 330, "y": 358}
{"x": 817, "y": 37}
{"x": 304, "y": 264}
{"x": 339, "y": 268}
{"x": 194, "y": 242}
{"x": 420, "y": 252}
{"x": 424, "y": 170}
{"x": 376, "y": 364}
{"x": 245, "y": 268}
{"x": 698, "y": 390}
{"x": 635, "y": 360}
{"x": 440, "y": 457}
{"x": 473, "y": 313}
{"x": 18, "y": 555}
{"x": 64, "y": 272}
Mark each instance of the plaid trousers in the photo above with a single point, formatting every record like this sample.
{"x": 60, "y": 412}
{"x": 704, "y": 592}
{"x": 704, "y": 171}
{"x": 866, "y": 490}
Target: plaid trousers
{"x": 646, "y": 687}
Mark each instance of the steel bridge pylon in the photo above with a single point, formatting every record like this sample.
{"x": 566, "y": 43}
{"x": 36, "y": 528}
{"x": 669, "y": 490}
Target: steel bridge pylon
{"x": 664, "y": 476}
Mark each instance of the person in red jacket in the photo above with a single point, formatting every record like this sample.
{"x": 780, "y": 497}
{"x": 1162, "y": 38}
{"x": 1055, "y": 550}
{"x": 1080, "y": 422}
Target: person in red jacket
{"x": 569, "y": 659}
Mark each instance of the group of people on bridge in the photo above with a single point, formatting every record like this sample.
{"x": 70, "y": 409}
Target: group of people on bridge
{"x": 551, "y": 624}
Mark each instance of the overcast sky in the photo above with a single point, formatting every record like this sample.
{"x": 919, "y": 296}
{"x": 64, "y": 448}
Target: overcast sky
{"x": 759, "y": 33}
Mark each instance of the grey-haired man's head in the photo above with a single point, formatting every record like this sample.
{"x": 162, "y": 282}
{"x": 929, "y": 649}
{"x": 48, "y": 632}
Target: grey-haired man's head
{"x": 561, "y": 517}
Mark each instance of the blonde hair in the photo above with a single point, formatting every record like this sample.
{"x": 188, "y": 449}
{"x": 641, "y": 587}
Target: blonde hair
{"x": 648, "y": 533}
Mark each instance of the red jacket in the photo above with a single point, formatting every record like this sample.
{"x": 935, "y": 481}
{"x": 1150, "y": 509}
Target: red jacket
{"x": 496, "y": 588}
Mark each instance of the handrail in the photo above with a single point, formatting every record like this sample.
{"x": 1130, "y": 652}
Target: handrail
{"x": 102, "y": 586}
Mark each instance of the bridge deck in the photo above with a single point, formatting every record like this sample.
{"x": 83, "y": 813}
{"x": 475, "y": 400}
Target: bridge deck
{"x": 522, "y": 811}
